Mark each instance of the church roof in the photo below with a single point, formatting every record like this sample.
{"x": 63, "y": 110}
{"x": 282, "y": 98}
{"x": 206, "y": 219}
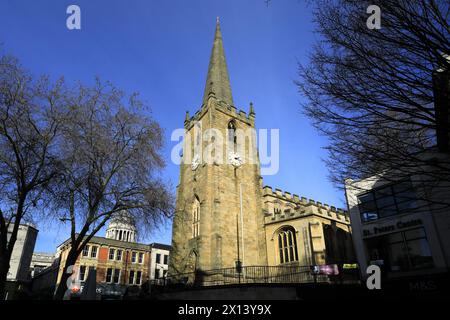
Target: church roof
{"x": 217, "y": 80}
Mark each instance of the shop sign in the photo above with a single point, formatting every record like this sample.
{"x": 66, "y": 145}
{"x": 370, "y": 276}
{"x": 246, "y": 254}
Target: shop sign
{"x": 389, "y": 228}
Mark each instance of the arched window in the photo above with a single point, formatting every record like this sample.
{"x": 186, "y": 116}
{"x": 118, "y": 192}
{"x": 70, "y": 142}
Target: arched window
{"x": 232, "y": 140}
{"x": 196, "y": 218}
{"x": 287, "y": 245}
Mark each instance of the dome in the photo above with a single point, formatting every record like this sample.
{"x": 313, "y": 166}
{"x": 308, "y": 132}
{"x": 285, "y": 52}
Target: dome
{"x": 122, "y": 227}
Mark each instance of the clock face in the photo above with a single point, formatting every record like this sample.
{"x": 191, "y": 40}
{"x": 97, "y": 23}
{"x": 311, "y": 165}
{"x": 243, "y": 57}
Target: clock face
{"x": 195, "y": 162}
{"x": 235, "y": 159}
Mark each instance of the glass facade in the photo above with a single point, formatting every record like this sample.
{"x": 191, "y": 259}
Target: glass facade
{"x": 402, "y": 251}
{"x": 387, "y": 201}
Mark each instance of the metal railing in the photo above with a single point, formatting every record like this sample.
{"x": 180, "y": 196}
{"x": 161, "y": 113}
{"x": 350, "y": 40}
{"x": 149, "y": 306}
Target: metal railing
{"x": 248, "y": 275}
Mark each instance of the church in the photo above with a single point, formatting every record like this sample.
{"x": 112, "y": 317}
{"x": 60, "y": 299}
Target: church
{"x": 225, "y": 217}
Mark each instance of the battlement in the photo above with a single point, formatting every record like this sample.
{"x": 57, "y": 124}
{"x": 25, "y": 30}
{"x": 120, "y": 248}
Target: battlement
{"x": 224, "y": 107}
{"x": 318, "y": 208}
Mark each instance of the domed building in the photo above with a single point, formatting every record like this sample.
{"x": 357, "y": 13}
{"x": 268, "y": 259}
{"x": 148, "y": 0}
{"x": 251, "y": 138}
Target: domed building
{"x": 117, "y": 260}
{"x": 122, "y": 227}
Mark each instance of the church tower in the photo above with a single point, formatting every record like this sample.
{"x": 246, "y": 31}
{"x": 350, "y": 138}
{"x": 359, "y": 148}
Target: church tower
{"x": 219, "y": 218}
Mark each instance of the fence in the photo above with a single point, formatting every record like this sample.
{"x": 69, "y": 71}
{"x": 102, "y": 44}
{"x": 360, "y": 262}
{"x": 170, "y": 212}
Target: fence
{"x": 248, "y": 275}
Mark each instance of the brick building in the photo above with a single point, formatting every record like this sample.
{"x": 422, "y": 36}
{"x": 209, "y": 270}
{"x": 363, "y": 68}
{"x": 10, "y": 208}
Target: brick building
{"x": 117, "y": 261}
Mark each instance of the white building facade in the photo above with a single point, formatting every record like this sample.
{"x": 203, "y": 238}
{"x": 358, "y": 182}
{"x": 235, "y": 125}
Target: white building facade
{"x": 159, "y": 260}
{"x": 40, "y": 261}
{"x": 398, "y": 226}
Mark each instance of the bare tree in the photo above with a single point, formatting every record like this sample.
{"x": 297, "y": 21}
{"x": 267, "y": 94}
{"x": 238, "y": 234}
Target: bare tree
{"x": 30, "y": 121}
{"x": 375, "y": 92}
{"x": 112, "y": 156}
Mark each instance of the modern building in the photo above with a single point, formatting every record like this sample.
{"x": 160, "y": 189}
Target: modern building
{"x": 225, "y": 217}
{"x": 18, "y": 275}
{"x": 401, "y": 218}
{"x": 400, "y": 226}
{"x": 40, "y": 261}
{"x": 117, "y": 260}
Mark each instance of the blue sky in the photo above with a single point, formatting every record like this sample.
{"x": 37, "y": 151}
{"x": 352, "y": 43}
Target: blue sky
{"x": 161, "y": 48}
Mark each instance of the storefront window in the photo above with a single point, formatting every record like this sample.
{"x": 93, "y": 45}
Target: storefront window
{"x": 402, "y": 251}
{"x": 398, "y": 257}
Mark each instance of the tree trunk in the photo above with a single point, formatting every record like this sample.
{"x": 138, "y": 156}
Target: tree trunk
{"x": 4, "y": 268}
{"x": 62, "y": 287}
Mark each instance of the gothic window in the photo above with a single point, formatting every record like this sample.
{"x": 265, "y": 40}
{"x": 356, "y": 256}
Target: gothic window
{"x": 287, "y": 245}
{"x": 196, "y": 218}
{"x": 192, "y": 262}
{"x": 232, "y": 140}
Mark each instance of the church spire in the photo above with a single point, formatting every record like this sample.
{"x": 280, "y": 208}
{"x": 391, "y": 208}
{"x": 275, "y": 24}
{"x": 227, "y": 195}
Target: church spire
{"x": 218, "y": 81}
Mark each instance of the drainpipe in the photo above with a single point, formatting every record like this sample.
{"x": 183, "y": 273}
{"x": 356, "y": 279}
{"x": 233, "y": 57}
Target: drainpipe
{"x": 242, "y": 224}
{"x": 311, "y": 246}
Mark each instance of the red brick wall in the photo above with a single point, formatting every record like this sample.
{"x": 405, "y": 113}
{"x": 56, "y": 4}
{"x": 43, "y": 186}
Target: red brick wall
{"x": 103, "y": 255}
